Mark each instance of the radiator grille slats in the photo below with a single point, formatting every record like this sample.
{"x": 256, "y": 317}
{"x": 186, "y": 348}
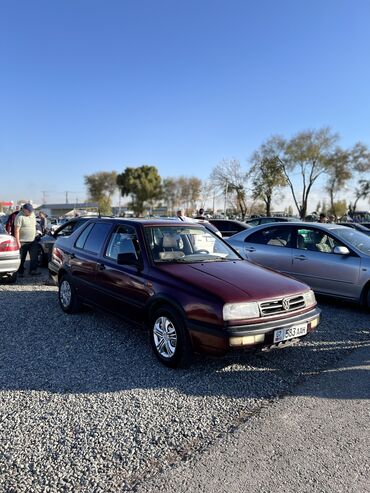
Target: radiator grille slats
{"x": 283, "y": 305}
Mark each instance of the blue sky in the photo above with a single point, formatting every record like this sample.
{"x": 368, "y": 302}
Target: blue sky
{"x": 87, "y": 86}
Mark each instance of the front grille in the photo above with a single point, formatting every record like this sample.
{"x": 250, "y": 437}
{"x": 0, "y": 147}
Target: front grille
{"x": 283, "y": 305}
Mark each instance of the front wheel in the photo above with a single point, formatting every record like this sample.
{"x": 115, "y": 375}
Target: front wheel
{"x": 170, "y": 338}
{"x": 67, "y": 295}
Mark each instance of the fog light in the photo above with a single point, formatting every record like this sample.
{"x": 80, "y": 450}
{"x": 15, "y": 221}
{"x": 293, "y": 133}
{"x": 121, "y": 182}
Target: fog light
{"x": 314, "y": 323}
{"x": 246, "y": 340}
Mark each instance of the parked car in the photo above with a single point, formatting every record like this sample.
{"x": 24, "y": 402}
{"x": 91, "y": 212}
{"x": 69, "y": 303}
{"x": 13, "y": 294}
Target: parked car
{"x": 192, "y": 291}
{"x": 229, "y": 227}
{"x": 9, "y": 257}
{"x": 366, "y": 225}
{"x": 357, "y": 226}
{"x": 334, "y": 260}
{"x": 266, "y": 220}
{"x": 47, "y": 241}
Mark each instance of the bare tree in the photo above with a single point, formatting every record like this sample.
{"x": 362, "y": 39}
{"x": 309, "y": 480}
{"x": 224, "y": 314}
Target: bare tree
{"x": 308, "y": 153}
{"x": 229, "y": 177}
{"x": 339, "y": 172}
{"x": 362, "y": 191}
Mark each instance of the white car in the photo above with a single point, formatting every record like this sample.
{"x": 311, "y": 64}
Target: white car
{"x": 9, "y": 256}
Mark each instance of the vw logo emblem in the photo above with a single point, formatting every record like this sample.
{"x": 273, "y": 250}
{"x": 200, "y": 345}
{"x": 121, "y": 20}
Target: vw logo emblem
{"x": 286, "y": 304}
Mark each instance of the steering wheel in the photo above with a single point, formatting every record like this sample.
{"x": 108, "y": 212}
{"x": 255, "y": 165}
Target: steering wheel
{"x": 202, "y": 251}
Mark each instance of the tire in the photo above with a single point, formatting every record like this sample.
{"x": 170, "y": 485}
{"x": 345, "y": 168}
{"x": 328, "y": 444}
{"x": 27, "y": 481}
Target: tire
{"x": 367, "y": 299}
{"x": 170, "y": 338}
{"x": 67, "y": 295}
{"x": 10, "y": 278}
{"x": 41, "y": 257}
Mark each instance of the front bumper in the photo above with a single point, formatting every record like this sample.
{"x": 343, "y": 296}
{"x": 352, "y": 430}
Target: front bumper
{"x": 220, "y": 339}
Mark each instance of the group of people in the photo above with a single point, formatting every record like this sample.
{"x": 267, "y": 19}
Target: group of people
{"x": 323, "y": 218}
{"x": 181, "y": 216}
{"x": 23, "y": 226}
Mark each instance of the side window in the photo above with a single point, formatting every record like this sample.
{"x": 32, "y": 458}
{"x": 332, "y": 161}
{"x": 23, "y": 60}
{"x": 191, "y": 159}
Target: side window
{"x": 82, "y": 238}
{"x": 272, "y": 236}
{"x": 315, "y": 240}
{"x": 97, "y": 237}
{"x": 123, "y": 240}
{"x": 66, "y": 231}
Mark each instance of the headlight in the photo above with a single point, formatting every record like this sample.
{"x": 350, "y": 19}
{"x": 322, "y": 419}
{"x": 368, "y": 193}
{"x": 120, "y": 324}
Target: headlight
{"x": 240, "y": 311}
{"x": 309, "y": 298}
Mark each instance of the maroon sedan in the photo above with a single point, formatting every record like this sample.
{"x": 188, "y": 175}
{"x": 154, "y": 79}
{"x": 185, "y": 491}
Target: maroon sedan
{"x": 191, "y": 289}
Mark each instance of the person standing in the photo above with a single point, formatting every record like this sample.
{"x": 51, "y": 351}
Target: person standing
{"x": 200, "y": 214}
{"x": 9, "y": 225}
{"x": 323, "y": 218}
{"x": 25, "y": 234}
{"x": 43, "y": 222}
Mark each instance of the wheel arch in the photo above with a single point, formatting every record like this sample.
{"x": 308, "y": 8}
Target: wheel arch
{"x": 364, "y": 293}
{"x": 160, "y": 301}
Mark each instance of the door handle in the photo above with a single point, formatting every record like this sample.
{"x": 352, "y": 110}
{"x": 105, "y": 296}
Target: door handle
{"x": 300, "y": 257}
{"x": 101, "y": 266}
{"x": 249, "y": 249}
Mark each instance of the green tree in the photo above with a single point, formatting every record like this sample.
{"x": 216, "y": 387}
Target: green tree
{"x": 340, "y": 208}
{"x": 101, "y": 187}
{"x": 267, "y": 176}
{"x": 143, "y": 184}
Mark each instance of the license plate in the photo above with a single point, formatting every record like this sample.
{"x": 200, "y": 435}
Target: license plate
{"x": 289, "y": 333}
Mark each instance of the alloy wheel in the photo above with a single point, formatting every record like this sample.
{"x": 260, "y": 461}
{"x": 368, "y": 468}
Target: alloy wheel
{"x": 165, "y": 337}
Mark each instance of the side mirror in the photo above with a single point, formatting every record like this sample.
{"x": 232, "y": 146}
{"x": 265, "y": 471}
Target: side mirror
{"x": 341, "y": 250}
{"x": 128, "y": 259}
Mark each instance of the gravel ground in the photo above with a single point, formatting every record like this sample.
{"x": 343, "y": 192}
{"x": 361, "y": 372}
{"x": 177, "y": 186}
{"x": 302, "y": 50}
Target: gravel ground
{"x": 84, "y": 406}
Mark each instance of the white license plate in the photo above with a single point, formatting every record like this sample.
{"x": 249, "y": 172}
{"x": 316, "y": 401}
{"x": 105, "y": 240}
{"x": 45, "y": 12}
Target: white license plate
{"x": 290, "y": 333}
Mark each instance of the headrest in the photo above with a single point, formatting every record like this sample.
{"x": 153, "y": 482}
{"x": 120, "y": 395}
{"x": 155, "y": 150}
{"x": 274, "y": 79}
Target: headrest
{"x": 169, "y": 241}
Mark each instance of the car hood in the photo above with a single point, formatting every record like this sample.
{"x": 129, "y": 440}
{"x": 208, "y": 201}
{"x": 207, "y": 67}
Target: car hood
{"x": 236, "y": 280}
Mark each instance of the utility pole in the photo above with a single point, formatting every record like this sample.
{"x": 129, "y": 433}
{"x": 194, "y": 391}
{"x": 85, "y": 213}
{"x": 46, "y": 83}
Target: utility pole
{"x": 44, "y": 193}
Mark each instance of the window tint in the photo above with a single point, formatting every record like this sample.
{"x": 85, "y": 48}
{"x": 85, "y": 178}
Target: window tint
{"x": 274, "y": 236}
{"x": 96, "y": 237}
{"x": 315, "y": 240}
{"x": 82, "y": 238}
{"x": 223, "y": 225}
{"x": 66, "y": 230}
{"x": 123, "y": 240}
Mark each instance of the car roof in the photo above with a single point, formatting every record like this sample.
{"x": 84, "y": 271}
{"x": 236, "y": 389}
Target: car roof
{"x": 150, "y": 222}
{"x": 288, "y": 224}
{"x": 300, "y": 224}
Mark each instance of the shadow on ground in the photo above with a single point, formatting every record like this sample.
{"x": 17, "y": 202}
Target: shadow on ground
{"x": 44, "y": 349}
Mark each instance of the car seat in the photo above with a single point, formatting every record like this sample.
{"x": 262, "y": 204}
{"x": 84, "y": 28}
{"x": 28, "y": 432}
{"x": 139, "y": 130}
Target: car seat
{"x": 301, "y": 243}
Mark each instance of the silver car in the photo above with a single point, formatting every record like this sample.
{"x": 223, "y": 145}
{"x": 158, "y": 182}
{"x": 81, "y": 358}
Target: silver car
{"x": 334, "y": 260}
{"x": 9, "y": 256}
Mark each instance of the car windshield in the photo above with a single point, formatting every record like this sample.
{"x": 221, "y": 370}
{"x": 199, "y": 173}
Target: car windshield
{"x": 187, "y": 244}
{"x": 355, "y": 238}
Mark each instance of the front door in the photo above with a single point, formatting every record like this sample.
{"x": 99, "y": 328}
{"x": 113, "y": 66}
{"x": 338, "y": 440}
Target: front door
{"x": 315, "y": 263}
{"x": 123, "y": 288}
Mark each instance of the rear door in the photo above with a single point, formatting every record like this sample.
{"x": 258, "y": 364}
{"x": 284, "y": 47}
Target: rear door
{"x": 84, "y": 259}
{"x": 326, "y": 272}
{"x": 271, "y": 247}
